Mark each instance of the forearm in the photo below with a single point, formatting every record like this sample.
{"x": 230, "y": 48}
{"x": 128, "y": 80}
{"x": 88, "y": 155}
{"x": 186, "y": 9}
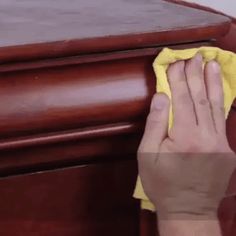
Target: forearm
{"x": 205, "y": 227}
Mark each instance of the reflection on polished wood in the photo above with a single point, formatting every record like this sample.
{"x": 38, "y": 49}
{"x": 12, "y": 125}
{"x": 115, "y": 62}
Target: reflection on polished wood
{"x": 76, "y": 81}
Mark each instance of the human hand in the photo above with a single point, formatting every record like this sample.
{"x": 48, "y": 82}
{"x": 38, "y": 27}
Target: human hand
{"x": 186, "y": 171}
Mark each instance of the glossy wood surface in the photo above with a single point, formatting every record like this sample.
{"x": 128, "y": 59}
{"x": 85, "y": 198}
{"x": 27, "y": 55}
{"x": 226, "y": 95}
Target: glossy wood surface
{"x": 71, "y": 93}
{"x": 66, "y": 97}
{"x": 228, "y": 41}
{"x": 76, "y": 82}
{"x": 84, "y": 200}
{"x": 77, "y": 152}
{"x": 76, "y": 110}
{"x": 48, "y": 28}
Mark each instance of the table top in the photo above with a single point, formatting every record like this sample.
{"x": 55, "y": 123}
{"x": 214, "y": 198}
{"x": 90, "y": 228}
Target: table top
{"x": 49, "y": 28}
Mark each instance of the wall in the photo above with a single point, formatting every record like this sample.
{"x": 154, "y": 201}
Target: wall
{"x": 226, "y": 6}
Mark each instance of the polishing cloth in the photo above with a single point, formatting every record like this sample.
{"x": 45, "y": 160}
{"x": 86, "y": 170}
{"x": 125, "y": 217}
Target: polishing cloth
{"x": 227, "y": 61}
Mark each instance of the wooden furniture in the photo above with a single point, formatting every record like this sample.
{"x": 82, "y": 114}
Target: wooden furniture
{"x": 76, "y": 84}
{"x": 228, "y": 41}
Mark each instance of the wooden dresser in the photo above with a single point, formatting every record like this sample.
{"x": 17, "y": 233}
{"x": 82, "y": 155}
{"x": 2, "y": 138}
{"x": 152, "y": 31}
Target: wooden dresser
{"x": 76, "y": 82}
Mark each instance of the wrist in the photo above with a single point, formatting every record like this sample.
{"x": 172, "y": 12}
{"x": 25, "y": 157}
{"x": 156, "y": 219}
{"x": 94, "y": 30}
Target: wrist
{"x": 190, "y": 207}
{"x": 189, "y": 227}
{"x": 187, "y": 216}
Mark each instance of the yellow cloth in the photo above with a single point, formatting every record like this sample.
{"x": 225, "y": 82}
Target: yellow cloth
{"x": 227, "y": 61}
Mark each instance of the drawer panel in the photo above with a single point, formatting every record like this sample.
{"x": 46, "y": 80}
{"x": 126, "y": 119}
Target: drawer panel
{"x": 74, "y": 96}
{"x": 73, "y": 93}
{"x": 231, "y": 128}
{"x": 86, "y": 200}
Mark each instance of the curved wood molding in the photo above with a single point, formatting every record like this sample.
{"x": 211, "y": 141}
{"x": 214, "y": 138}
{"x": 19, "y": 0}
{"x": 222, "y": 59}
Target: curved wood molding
{"x": 72, "y": 93}
{"x": 71, "y": 135}
{"x": 77, "y": 94}
{"x": 60, "y": 98}
{"x": 74, "y": 112}
{"x": 75, "y": 89}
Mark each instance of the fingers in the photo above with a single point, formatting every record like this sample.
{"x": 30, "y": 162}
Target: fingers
{"x": 197, "y": 94}
{"x": 181, "y": 100}
{"x": 156, "y": 125}
{"x": 215, "y": 94}
{"x": 196, "y": 84}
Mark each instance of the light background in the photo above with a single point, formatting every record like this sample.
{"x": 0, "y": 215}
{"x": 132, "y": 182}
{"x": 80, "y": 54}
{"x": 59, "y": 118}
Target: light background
{"x": 226, "y": 6}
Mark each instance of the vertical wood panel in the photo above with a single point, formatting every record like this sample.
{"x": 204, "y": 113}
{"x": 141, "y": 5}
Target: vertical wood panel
{"x": 85, "y": 200}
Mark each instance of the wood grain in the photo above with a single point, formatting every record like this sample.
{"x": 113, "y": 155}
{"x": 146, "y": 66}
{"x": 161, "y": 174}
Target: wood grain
{"x": 228, "y": 41}
{"x": 75, "y": 86}
{"x": 62, "y": 98}
{"x": 49, "y": 99}
{"x": 71, "y": 114}
{"x": 32, "y": 29}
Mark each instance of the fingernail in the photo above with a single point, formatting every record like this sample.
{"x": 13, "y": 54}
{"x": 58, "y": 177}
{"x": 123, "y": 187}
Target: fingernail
{"x": 159, "y": 102}
{"x": 214, "y": 66}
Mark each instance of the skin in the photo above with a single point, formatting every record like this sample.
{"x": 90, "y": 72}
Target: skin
{"x": 185, "y": 171}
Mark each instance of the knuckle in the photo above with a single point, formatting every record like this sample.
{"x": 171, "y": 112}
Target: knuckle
{"x": 185, "y": 99}
{"x": 203, "y": 142}
{"x": 193, "y": 146}
{"x": 212, "y": 145}
{"x": 203, "y": 101}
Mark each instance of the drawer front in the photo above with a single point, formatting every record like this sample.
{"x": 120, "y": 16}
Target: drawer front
{"x": 72, "y": 93}
{"x": 67, "y": 97}
{"x": 85, "y": 200}
{"x": 58, "y": 111}
{"x": 231, "y": 128}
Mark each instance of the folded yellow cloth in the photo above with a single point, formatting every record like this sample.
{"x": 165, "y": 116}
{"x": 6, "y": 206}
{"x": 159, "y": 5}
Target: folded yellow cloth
{"x": 227, "y": 61}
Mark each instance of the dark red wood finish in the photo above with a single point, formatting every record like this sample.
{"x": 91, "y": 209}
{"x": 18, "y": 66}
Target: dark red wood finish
{"x": 148, "y": 223}
{"x": 83, "y": 200}
{"x": 231, "y": 129}
{"x": 76, "y": 81}
{"x": 33, "y": 29}
{"x": 228, "y": 41}
{"x": 70, "y": 110}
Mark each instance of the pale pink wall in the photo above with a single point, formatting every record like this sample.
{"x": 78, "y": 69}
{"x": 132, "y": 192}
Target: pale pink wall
{"x": 226, "y": 6}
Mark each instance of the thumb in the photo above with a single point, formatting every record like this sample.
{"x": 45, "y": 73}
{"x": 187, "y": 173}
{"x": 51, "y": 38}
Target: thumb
{"x": 156, "y": 129}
